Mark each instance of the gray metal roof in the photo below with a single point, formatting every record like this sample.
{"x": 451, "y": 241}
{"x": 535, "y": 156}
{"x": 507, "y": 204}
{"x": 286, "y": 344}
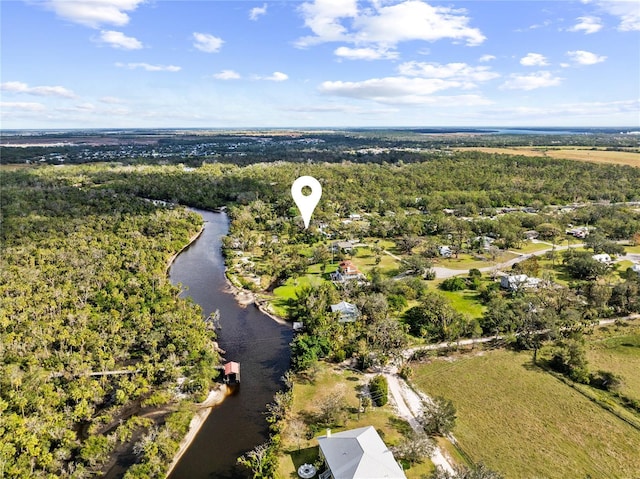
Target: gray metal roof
{"x": 359, "y": 454}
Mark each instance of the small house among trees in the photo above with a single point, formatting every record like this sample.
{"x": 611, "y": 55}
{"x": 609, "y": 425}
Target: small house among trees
{"x": 347, "y": 312}
{"x": 517, "y": 282}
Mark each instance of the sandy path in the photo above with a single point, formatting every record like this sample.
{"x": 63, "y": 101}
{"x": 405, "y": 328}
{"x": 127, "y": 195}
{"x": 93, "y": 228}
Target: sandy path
{"x": 409, "y": 405}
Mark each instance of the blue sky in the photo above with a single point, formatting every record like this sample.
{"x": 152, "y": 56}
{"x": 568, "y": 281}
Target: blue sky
{"x": 323, "y": 63}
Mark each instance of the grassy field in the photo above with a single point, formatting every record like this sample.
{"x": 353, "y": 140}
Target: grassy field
{"x": 525, "y": 423}
{"x": 465, "y": 302}
{"x": 365, "y": 260}
{"x": 579, "y": 154}
{"x": 331, "y": 381}
{"x": 467, "y": 261}
{"x": 617, "y": 349}
{"x": 530, "y": 247}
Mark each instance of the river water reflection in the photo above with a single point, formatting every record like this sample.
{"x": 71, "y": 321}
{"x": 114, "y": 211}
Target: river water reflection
{"x": 249, "y": 337}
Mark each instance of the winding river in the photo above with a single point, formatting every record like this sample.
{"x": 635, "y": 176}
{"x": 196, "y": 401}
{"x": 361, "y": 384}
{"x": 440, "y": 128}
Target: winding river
{"x": 249, "y": 337}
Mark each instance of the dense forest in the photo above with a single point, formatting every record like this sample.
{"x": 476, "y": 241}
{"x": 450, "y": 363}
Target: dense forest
{"x": 83, "y": 291}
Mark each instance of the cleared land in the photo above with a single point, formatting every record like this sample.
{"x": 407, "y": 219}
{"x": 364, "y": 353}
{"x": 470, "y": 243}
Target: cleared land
{"x": 618, "y": 350}
{"x": 580, "y": 154}
{"x": 525, "y": 423}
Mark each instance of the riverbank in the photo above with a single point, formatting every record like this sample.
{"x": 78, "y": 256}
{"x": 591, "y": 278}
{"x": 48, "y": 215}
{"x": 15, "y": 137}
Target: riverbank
{"x": 215, "y": 397}
{"x": 245, "y": 298}
{"x": 173, "y": 257}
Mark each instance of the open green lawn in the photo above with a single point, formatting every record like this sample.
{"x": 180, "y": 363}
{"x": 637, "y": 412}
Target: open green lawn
{"x": 365, "y": 260}
{"x": 530, "y": 247}
{"x": 467, "y": 261}
{"x": 465, "y": 302}
{"x": 525, "y": 423}
{"x": 617, "y": 349}
{"x": 282, "y": 294}
{"x": 632, "y": 249}
{"x": 330, "y": 380}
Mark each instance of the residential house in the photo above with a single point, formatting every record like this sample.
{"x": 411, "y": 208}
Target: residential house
{"x": 579, "y": 232}
{"x": 357, "y": 454}
{"x": 347, "y": 271}
{"x": 603, "y": 258}
{"x": 347, "y": 312}
{"x": 515, "y": 282}
{"x": 344, "y": 246}
{"x": 483, "y": 242}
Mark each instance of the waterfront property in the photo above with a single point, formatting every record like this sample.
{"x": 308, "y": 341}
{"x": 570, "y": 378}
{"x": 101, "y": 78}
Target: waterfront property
{"x": 357, "y": 454}
{"x": 347, "y": 312}
{"x": 347, "y": 271}
{"x": 232, "y": 373}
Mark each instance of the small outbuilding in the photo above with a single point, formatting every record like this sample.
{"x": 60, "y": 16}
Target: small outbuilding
{"x": 232, "y": 373}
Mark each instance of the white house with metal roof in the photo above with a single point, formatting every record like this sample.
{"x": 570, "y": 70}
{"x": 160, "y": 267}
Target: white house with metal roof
{"x": 347, "y": 312}
{"x": 357, "y": 454}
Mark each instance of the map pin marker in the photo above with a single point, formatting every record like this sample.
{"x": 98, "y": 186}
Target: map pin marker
{"x": 306, "y": 203}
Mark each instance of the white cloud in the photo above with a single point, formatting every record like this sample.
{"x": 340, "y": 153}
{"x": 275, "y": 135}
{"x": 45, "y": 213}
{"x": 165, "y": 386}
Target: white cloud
{"x": 486, "y": 58}
{"x": 388, "y": 87}
{"x": 533, "y": 60}
{"x": 604, "y": 110}
{"x": 21, "y": 87}
{"x": 119, "y": 40}
{"x": 541, "y": 79}
{"x": 21, "y": 106}
{"x": 627, "y": 11}
{"x": 150, "y": 68}
{"x": 111, "y": 100}
{"x": 587, "y": 25}
{"x": 227, "y": 75}
{"x": 81, "y": 108}
{"x": 257, "y": 12}
{"x": 459, "y": 71}
{"x": 402, "y": 91}
{"x": 276, "y": 76}
{"x": 365, "y": 53}
{"x": 207, "y": 43}
{"x": 323, "y": 18}
{"x": 93, "y": 13}
{"x": 415, "y": 20}
{"x": 385, "y": 25}
{"x": 582, "y": 57}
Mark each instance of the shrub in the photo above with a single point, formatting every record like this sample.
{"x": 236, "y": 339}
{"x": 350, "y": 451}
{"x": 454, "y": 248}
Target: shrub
{"x": 406, "y": 372}
{"x": 475, "y": 273}
{"x": 454, "y": 284}
{"x": 379, "y": 389}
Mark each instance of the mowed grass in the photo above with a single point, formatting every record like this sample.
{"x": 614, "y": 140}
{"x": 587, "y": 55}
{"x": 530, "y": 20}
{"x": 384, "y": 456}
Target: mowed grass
{"x": 579, "y": 154}
{"x": 465, "y": 302}
{"x": 467, "y": 261}
{"x": 530, "y": 247}
{"x": 365, "y": 261}
{"x": 330, "y": 381}
{"x": 523, "y": 422}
